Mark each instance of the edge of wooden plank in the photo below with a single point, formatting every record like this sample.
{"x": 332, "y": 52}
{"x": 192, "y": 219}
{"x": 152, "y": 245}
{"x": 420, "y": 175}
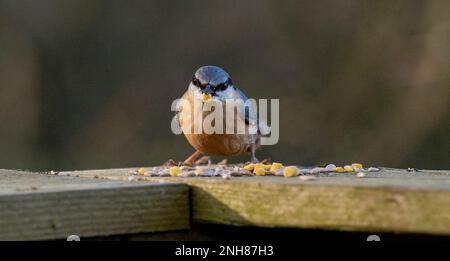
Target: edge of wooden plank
{"x": 368, "y": 209}
{"x": 339, "y": 203}
{"x": 87, "y": 212}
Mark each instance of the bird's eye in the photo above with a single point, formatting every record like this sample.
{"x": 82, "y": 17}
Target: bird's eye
{"x": 196, "y": 81}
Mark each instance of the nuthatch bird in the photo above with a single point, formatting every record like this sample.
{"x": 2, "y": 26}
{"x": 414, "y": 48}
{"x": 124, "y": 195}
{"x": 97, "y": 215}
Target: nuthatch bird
{"x": 211, "y": 83}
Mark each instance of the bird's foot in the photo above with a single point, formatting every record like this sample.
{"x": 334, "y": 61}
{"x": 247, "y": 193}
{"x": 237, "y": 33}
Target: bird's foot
{"x": 254, "y": 160}
{"x": 203, "y": 160}
{"x": 191, "y": 160}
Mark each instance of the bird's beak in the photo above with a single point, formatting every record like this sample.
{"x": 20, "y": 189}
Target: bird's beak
{"x": 206, "y": 97}
{"x": 207, "y": 93}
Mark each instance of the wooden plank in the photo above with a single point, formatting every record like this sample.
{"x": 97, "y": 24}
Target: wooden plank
{"x": 37, "y": 206}
{"x": 391, "y": 200}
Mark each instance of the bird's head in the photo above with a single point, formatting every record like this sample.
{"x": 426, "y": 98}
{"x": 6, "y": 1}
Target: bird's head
{"x": 211, "y": 81}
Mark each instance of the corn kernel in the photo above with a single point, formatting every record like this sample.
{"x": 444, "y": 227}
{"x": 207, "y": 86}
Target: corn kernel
{"x": 264, "y": 166}
{"x": 141, "y": 171}
{"x": 276, "y": 166}
{"x": 357, "y": 166}
{"x": 290, "y": 171}
{"x": 348, "y": 168}
{"x": 206, "y": 97}
{"x": 250, "y": 167}
{"x": 174, "y": 171}
{"x": 339, "y": 169}
{"x": 259, "y": 171}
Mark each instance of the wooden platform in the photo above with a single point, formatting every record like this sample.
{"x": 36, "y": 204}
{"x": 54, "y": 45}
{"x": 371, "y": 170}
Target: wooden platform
{"x": 39, "y": 206}
{"x": 109, "y": 202}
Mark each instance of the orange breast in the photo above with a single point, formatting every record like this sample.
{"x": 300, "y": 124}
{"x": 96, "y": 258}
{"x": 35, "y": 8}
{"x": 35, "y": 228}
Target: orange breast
{"x": 213, "y": 144}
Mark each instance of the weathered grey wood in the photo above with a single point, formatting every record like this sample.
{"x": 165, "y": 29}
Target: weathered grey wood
{"x": 39, "y": 206}
{"x": 391, "y": 200}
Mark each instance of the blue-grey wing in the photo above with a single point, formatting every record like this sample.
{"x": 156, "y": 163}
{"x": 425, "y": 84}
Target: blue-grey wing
{"x": 250, "y": 113}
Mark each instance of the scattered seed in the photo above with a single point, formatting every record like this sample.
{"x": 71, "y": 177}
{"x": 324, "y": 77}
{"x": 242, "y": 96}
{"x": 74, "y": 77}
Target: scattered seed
{"x": 373, "y": 169}
{"x": 226, "y": 174}
{"x": 318, "y": 170}
{"x": 259, "y": 171}
{"x": 290, "y": 171}
{"x": 174, "y": 171}
{"x": 357, "y": 166}
{"x": 279, "y": 172}
{"x": 330, "y": 167}
{"x": 339, "y": 169}
{"x": 304, "y": 171}
{"x": 141, "y": 171}
{"x": 131, "y": 178}
{"x": 360, "y": 174}
{"x": 264, "y": 166}
{"x": 348, "y": 168}
{"x": 250, "y": 167}
{"x": 190, "y": 173}
{"x": 204, "y": 172}
{"x": 275, "y": 166}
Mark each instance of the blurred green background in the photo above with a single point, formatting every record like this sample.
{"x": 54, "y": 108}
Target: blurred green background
{"x": 89, "y": 84}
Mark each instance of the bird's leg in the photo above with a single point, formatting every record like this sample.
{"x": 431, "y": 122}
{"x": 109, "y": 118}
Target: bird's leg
{"x": 190, "y": 161}
{"x": 203, "y": 160}
{"x": 253, "y": 159}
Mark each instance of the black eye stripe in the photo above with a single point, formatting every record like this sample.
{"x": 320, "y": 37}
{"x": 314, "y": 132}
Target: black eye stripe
{"x": 224, "y": 86}
{"x": 197, "y": 82}
{"x": 229, "y": 82}
{"x": 219, "y": 87}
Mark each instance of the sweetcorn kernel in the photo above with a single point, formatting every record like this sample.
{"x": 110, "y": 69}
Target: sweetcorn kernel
{"x": 348, "y": 168}
{"x": 276, "y": 166}
{"x": 250, "y": 167}
{"x": 259, "y": 171}
{"x": 267, "y": 166}
{"x": 174, "y": 171}
{"x": 290, "y": 171}
{"x": 357, "y": 166}
{"x": 264, "y": 166}
{"x": 339, "y": 169}
{"x": 141, "y": 171}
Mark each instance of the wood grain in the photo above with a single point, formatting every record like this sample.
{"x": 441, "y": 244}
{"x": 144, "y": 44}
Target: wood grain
{"x": 36, "y": 206}
{"x": 391, "y": 200}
